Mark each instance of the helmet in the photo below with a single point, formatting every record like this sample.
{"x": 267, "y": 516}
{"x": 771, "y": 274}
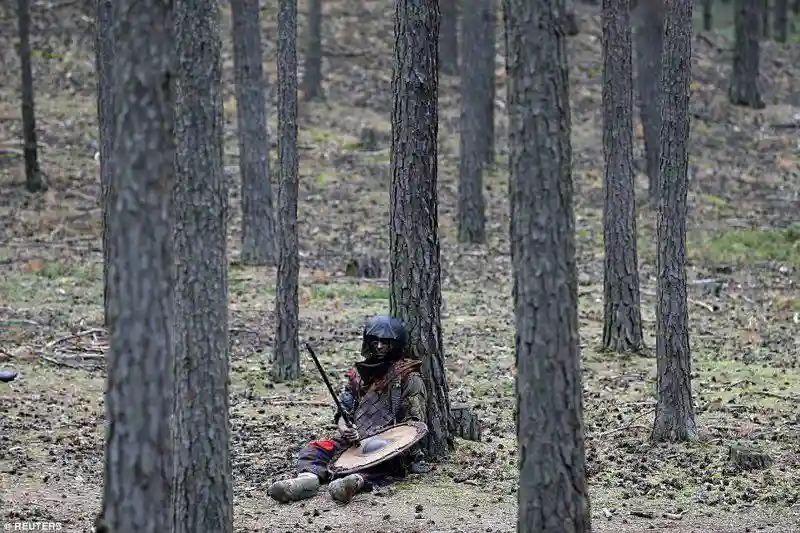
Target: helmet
{"x": 390, "y": 330}
{"x": 386, "y": 327}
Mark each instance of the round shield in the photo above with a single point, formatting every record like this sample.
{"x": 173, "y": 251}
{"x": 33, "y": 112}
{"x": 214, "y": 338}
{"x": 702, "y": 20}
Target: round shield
{"x": 377, "y": 448}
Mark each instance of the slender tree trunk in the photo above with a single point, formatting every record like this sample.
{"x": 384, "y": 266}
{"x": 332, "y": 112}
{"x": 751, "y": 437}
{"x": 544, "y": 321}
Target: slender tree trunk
{"x": 415, "y": 274}
{"x": 764, "y": 11}
{"x": 708, "y": 9}
{"x": 471, "y": 205}
{"x": 552, "y": 495}
{"x": 312, "y": 78}
{"x": 259, "y": 239}
{"x": 34, "y": 180}
{"x": 486, "y": 65}
{"x": 287, "y": 350}
{"x": 140, "y": 364}
{"x": 675, "y": 419}
{"x": 203, "y": 493}
{"x": 743, "y": 88}
{"x": 648, "y": 39}
{"x": 448, "y": 37}
{"x": 104, "y": 62}
{"x": 781, "y": 20}
{"x": 622, "y": 329}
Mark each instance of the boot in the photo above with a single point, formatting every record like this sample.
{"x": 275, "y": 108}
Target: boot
{"x": 305, "y": 485}
{"x": 343, "y": 489}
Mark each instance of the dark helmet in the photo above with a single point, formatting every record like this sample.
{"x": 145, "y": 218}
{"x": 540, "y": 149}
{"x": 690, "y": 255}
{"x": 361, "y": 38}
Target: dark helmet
{"x": 386, "y": 327}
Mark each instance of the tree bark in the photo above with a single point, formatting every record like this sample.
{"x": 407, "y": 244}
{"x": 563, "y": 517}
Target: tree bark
{"x": 764, "y": 12}
{"x": 259, "y": 239}
{"x": 104, "y": 63}
{"x": 203, "y": 493}
{"x": 287, "y": 350}
{"x": 312, "y": 77}
{"x": 140, "y": 363}
{"x": 743, "y": 88}
{"x": 472, "y": 139}
{"x": 487, "y": 36}
{"x": 649, "y": 41}
{"x": 448, "y": 37}
{"x": 34, "y": 180}
{"x": 781, "y": 20}
{"x": 675, "y": 419}
{"x": 415, "y": 273}
{"x": 552, "y": 494}
{"x": 622, "y": 324}
{"x": 708, "y": 10}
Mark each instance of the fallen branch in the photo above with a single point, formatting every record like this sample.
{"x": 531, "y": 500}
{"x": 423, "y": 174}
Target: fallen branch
{"x": 627, "y": 425}
{"x": 689, "y": 300}
{"x": 65, "y": 338}
{"x": 778, "y": 396}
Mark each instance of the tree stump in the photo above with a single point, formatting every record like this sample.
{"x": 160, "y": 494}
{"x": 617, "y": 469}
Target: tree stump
{"x": 364, "y": 267}
{"x": 464, "y": 422}
{"x": 748, "y": 458}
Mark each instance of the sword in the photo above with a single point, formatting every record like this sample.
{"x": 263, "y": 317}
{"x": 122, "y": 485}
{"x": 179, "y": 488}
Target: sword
{"x": 344, "y": 414}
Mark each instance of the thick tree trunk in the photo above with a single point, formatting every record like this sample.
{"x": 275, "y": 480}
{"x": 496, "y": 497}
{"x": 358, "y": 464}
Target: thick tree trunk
{"x": 415, "y": 273}
{"x": 743, "y": 89}
{"x": 34, "y": 180}
{"x": 622, "y": 329}
{"x": 552, "y": 494}
{"x": 648, "y": 39}
{"x": 140, "y": 363}
{"x": 287, "y": 350}
{"x": 259, "y": 239}
{"x": 448, "y": 37}
{"x": 471, "y": 205}
{"x": 708, "y": 10}
{"x": 781, "y": 20}
{"x": 203, "y": 493}
{"x": 104, "y": 62}
{"x": 312, "y": 76}
{"x": 674, "y": 409}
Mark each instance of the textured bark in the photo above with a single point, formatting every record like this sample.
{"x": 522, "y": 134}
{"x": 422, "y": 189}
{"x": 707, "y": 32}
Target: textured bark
{"x": 140, "y": 363}
{"x": 743, "y": 88}
{"x": 622, "y": 324}
{"x": 203, "y": 494}
{"x": 448, "y": 37}
{"x": 781, "y": 20}
{"x": 287, "y": 350}
{"x": 552, "y": 494}
{"x": 259, "y": 239}
{"x": 708, "y": 9}
{"x": 312, "y": 76}
{"x": 471, "y": 204}
{"x": 415, "y": 273}
{"x": 675, "y": 419}
{"x": 763, "y": 7}
{"x": 485, "y": 55}
{"x": 104, "y": 62}
{"x": 649, "y": 38}
{"x": 34, "y": 180}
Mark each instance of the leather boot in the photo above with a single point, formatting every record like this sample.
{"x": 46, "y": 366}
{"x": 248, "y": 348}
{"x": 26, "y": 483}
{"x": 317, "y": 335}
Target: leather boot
{"x": 343, "y": 489}
{"x": 303, "y": 486}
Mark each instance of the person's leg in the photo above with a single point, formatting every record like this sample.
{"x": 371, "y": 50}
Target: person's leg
{"x": 312, "y": 467}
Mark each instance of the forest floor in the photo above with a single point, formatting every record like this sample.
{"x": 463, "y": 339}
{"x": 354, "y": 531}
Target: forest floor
{"x": 744, "y": 197}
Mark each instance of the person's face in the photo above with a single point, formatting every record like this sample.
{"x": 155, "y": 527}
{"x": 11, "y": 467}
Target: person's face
{"x": 379, "y": 347}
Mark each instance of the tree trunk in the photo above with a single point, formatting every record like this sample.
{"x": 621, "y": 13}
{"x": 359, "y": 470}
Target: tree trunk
{"x": 448, "y": 37}
{"x": 203, "y": 493}
{"x": 259, "y": 241}
{"x": 552, "y": 494}
{"x": 649, "y": 37}
{"x": 104, "y": 62}
{"x": 33, "y": 175}
{"x": 708, "y": 10}
{"x": 312, "y": 76}
{"x": 743, "y": 89}
{"x": 140, "y": 364}
{"x": 287, "y": 349}
{"x": 674, "y": 410}
{"x": 764, "y": 10}
{"x": 415, "y": 273}
{"x": 781, "y": 20}
{"x": 622, "y": 324}
{"x": 471, "y": 205}
{"x": 486, "y": 65}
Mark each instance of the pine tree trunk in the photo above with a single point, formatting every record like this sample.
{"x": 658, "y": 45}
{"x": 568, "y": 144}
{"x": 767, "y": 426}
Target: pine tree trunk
{"x": 552, "y": 494}
{"x": 140, "y": 363}
{"x": 448, "y": 37}
{"x": 675, "y": 419}
{"x": 203, "y": 493}
{"x": 259, "y": 239}
{"x": 487, "y": 38}
{"x": 33, "y": 175}
{"x": 708, "y": 10}
{"x": 312, "y": 77}
{"x": 781, "y": 20}
{"x": 622, "y": 329}
{"x": 415, "y": 274}
{"x": 743, "y": 89}
{"x": 287, "y": 351}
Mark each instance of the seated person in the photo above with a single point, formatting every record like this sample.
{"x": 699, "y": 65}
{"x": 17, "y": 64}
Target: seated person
{"x": 384, "y": 389}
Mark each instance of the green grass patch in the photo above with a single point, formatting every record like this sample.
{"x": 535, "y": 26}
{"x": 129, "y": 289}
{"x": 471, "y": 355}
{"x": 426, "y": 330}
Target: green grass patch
{"x": 48, "y": 283}
{"x": 747, "y": 246}
{"x": 349, "y": 292}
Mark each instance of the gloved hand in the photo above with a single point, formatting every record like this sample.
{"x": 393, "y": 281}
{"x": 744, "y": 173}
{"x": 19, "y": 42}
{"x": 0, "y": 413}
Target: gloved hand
{"x": 350, "y": 434}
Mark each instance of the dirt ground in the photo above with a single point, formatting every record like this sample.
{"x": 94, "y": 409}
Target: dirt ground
{"x": 744, "y": 301}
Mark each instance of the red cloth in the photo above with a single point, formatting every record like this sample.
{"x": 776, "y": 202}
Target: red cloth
{"x": 327, "y": 445}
